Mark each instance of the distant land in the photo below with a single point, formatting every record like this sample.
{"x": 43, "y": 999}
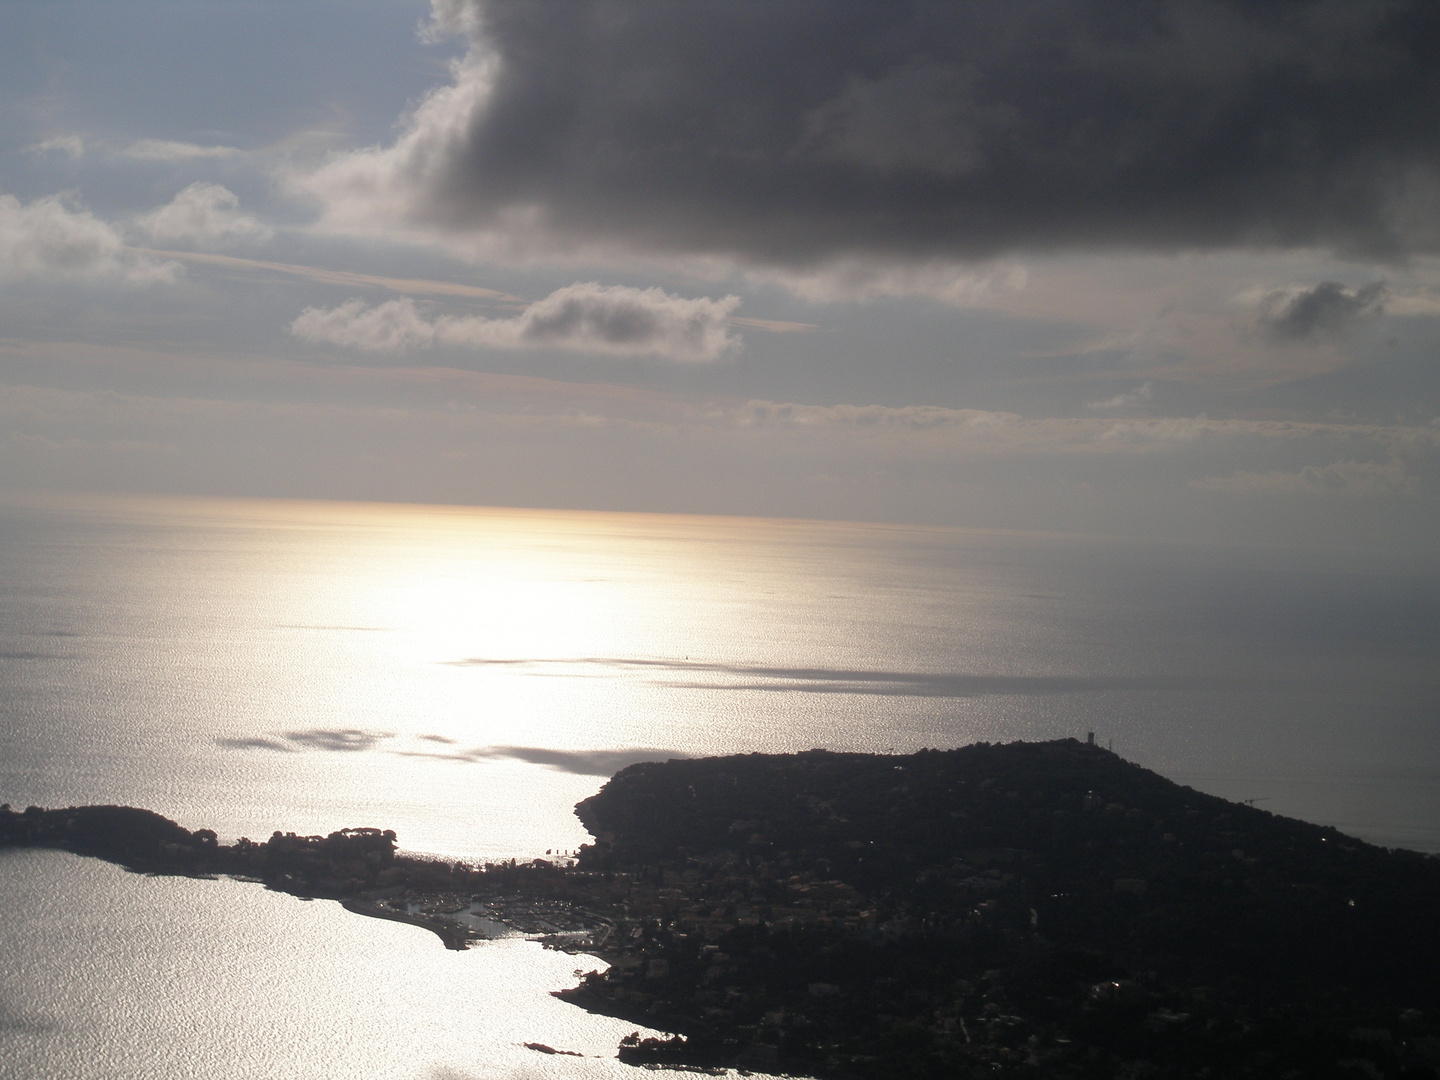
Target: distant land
{"x": 1024, "y": 909}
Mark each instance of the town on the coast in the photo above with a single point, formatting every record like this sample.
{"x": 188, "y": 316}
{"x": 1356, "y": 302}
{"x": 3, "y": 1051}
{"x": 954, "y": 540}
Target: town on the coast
{"x": 1029, "y": 909}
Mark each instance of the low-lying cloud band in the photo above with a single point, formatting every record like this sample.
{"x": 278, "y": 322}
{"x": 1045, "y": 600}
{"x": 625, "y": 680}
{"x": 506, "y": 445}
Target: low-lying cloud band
{"x": 586, "y": 317}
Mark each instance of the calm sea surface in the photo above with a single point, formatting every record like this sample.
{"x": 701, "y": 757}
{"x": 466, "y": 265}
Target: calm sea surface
{"x": 465, "y": 676}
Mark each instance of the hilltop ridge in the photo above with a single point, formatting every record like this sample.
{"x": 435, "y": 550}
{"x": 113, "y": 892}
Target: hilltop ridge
{"x": 995, "y": 905}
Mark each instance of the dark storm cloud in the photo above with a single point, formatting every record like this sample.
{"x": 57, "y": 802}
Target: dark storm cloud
{"x": 797, "y": 132}
{"x": 1328, "y": 308}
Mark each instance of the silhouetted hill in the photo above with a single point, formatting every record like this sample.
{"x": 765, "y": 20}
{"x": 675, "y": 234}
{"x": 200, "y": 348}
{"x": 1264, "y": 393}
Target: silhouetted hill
{"x": 1051, "y": 883}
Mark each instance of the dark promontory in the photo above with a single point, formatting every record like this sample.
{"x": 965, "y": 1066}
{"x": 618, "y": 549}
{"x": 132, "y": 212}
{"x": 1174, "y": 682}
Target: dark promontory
{"x": 1035, "y": 909}
{"x": 1042, "y": 909}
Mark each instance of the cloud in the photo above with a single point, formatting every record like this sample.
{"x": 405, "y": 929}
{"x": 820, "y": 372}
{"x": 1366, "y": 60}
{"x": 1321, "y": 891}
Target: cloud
{"x": 150, "y": 150}
{"x": 446, "y": 435}
{"x": 925, "y": 133}
{"x": 162, "y": 150}
{"x": 1416, "y": 301}
{"x": 72, "y": 146}
{"x": 772, "y": 326}
{"x": 1328, "y": 308}
{"x": 346, "y": 277}
{"x": 53, "y": 238}
{"x": 940, "y": 430}
{"x": 1141, "y": 395}
{"x": 394, "y": 326}
{"x": 853, "y": 278}
{"x": 202, "y": 214}
{"x": 584, "y": 317}
{"x": 1348, "y": 478}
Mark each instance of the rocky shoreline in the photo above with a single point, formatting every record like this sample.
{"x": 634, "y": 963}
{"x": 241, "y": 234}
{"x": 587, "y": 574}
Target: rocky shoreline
{"x": 1027, "y": 909}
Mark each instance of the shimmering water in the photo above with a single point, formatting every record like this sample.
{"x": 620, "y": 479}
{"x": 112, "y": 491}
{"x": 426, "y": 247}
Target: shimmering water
{"x": 465, "y": 676}
{"x": 113, "y": 976}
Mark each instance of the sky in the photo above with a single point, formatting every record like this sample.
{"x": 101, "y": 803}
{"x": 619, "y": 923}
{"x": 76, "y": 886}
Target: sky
{"x": 1165, "y": 270}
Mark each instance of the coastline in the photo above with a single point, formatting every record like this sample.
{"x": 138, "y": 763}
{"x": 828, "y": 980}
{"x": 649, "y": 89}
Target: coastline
{"x": 989, "y": 909}
{"x": 454, "y": 935}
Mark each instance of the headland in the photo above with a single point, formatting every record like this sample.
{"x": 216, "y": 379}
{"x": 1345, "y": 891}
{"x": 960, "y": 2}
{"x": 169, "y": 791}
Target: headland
{"x": 1026, "y": 909}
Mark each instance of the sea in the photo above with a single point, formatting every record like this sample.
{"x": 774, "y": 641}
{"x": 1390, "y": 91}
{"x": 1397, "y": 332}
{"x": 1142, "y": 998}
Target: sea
{"x": 465, "y": 675}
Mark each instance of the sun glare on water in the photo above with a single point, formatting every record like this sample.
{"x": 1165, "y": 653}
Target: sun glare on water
{"x": 466, "y": 675}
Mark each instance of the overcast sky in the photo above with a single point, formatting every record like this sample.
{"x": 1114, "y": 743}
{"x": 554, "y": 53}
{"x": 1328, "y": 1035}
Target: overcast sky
{"x": 1106, "y": 266}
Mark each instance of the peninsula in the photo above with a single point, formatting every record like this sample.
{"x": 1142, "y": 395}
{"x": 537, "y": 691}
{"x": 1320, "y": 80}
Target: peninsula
{"x": 1022, "y": 909}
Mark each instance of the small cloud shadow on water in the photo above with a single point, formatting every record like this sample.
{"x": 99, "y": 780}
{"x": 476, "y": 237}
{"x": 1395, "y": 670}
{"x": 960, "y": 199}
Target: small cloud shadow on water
{"x": 797, "y": 680}
{"x": 355, "y": 740}
{"x": 348, "y": 740}
{"x": 938, "y": 686}
{"x": 13, "y": 1020}
{"x": 344, "y": 740}
{"x": 580, "y": 762}
{"x": 255, "y": 743}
